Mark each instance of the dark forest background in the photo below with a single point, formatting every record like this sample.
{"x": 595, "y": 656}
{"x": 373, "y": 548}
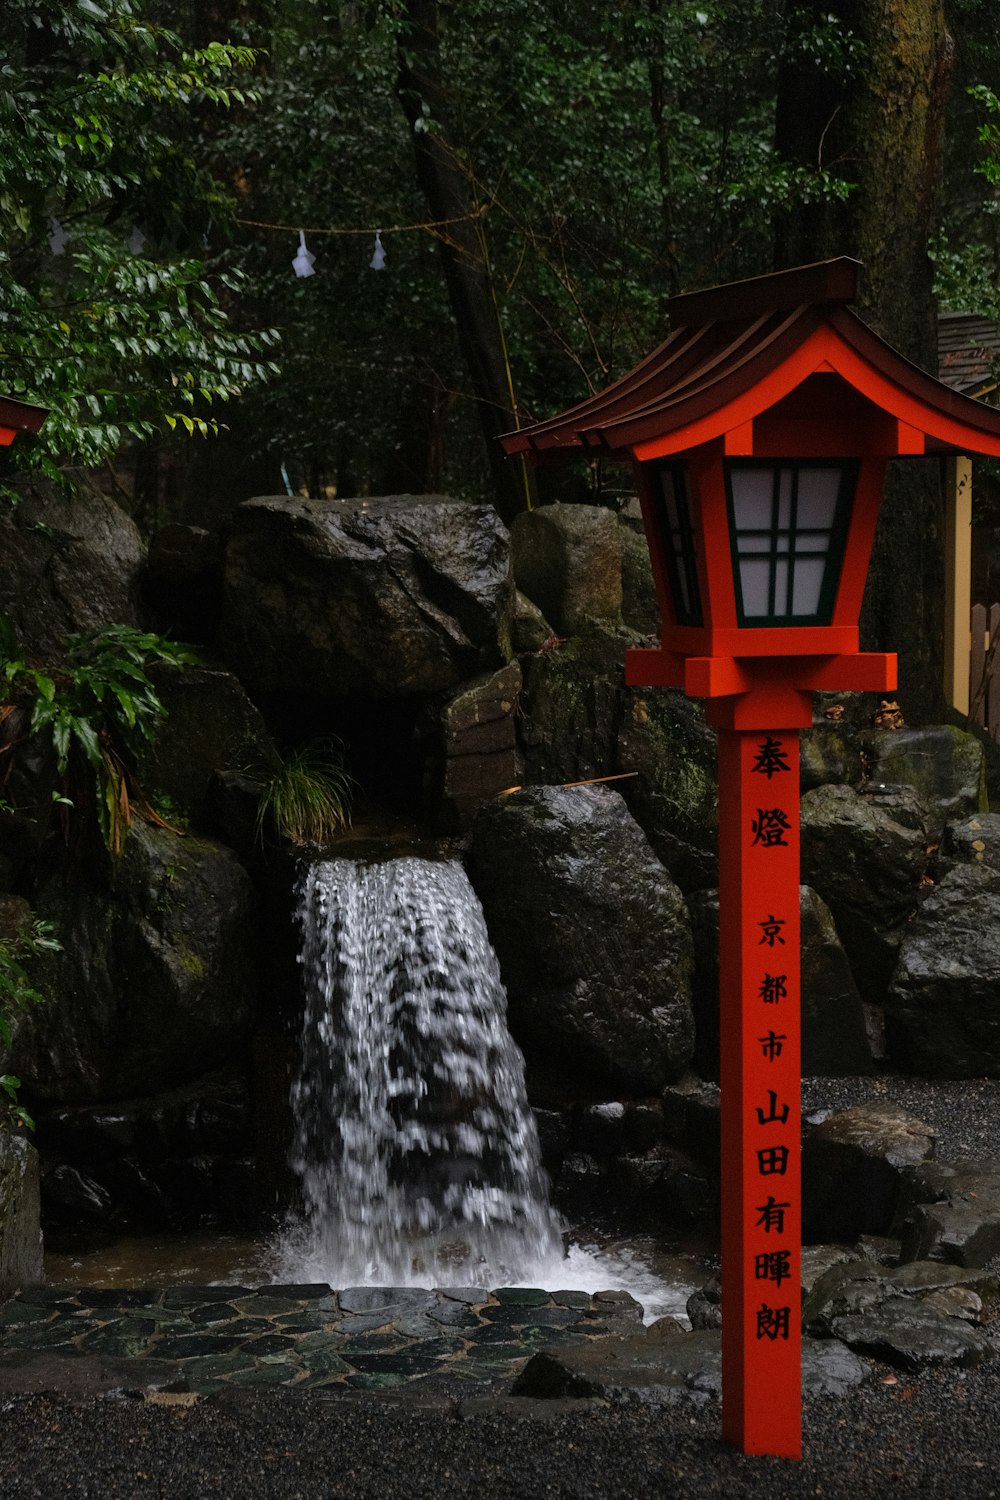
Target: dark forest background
{"x": 573, "y": 164}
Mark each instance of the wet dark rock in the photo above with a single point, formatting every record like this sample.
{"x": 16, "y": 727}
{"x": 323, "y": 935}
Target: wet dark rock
{"x": 835, "y": 1041}
{"x": 865, "y": 855}
{"x": 68, "y": 1193}
{"x": 422, "y": 586}
{"x": 67, "y": 563}
{"x": 692, "y": 1112}
{"x": 689, "y": 1191}
{"x": 857, "y": 1289}
{"x": 943, "y": 1006}
{"x": 554, "y": 1128}
{"x": 529, "y": 628}
{"x": 591, "y": 933}
{"x": 704, "y": 1307}
{"x": 521, "y": 1296}
{"x": 970, "y": 841}
{"x": 20, "y": 1234}
{"x": 211, "y": 727}
{"x": 884, "y": 1249}
{"x": 944, "y": 765}
{"x": 831, "y": 752}
{"x": 818, "y": 1259}
{"x": 913, "y": 1339}
{"x": 640, "y": 606}
{"x": 366, "y": 1299}
{"x": 183, "y": 580}
{"x": 580, "y": 1177}
{"x": 643, "y": 1124}
{"x": 579, "y": 720}
{"x": 830, "y": 1368}
{"x": 567, "y": 559}
{"x": 668, "y": 1367}
{"x": 476, "y": 755}
{"x": 961, "y": 1222}
{"x": 854, "y": 1170}
{"x": 600, "y": 1130}
{"x": 153, "y": 986}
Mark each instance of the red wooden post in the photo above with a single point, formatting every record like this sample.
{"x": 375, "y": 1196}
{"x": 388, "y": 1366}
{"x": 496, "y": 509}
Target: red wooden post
{"x": 760, "y": 1084}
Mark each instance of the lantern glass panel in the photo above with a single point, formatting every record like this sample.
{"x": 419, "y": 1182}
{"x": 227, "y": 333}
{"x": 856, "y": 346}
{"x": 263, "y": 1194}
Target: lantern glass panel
{"x": 788, "y": 527}
{"x": 680, "y": 546}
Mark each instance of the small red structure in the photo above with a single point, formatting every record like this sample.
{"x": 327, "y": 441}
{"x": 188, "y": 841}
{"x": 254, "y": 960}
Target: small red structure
{"x": 18, "y": 416}
{"x": 759, "y": 433}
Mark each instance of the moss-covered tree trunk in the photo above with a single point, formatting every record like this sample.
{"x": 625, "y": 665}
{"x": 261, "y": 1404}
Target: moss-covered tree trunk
{"x": 880, "y": 128}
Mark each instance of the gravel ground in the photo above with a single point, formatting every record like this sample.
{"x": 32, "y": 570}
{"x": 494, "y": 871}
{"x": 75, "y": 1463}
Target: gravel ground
{"x": 965, "y": 1113}
{"x": 936, "y": 1437}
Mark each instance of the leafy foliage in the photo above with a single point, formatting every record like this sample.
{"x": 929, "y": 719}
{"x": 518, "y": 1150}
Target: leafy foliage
{"x": 17, "y": 993}
{"x": 96, "y": 112}
{"x": 95, "y": 704}
{"x": 308, "y": 800}
{"x": 610, "y": 156}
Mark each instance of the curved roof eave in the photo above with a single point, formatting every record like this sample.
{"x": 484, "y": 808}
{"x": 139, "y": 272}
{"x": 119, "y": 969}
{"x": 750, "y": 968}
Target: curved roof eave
{"x": 747, "y": 368}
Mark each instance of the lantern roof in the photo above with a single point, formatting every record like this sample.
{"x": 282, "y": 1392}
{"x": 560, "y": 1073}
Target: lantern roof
{"x": 785, "y": 347}
{"x": 18, "y": 416}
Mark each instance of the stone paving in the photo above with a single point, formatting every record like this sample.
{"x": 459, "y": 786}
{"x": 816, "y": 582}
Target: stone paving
{"x": 202, "y": 1339}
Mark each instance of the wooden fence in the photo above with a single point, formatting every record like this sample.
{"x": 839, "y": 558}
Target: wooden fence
{"x": 984, "y": 668}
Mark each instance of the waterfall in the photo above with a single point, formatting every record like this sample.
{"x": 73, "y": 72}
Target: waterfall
{"x": 415, "y": 1148}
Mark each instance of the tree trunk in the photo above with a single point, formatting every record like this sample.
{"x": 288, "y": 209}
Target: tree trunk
{"x": 446, "y": 188}
{"x": 881, "y": 130}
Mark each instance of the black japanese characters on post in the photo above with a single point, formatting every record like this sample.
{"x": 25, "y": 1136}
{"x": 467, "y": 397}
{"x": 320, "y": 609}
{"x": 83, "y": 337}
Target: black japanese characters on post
{"x": 771, "y": 758}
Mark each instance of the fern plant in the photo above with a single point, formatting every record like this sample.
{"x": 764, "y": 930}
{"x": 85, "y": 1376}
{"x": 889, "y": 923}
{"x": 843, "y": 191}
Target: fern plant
{"x": 95, "y": 703}
{"x": 308, "y": 800}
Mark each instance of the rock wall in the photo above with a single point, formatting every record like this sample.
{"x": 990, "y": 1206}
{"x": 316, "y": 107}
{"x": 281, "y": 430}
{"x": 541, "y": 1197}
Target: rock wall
{"x": 492, "y": 661}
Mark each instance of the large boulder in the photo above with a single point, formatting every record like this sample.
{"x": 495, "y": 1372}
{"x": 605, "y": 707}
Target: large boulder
{"x": 865, "y": 854}
{"x": 856, "y": 1164}
{"x": 20, "y": 1234}
{"x": 381, "y": 598}
{"x": 943, "y": 764}
{"x": 592, "y": 935}
{"x": 67, "y": 563}
{"x": 835, "y": 1041}
{"x": 211, "y": 726}
{"x": 152, "y": 988}
{"x": 943, "y": 1007}
{"x": 579, "y": 720}
{"x": 567, "y": 559}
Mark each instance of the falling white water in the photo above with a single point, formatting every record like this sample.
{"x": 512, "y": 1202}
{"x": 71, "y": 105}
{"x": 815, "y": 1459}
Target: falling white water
{"x": 414, "y": 1144}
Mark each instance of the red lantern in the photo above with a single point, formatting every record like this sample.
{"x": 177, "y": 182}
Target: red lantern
{"x": 760, "y": 433}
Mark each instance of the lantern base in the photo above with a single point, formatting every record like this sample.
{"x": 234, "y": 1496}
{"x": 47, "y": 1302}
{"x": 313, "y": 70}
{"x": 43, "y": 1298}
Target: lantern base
{"x": 762, "y": 690}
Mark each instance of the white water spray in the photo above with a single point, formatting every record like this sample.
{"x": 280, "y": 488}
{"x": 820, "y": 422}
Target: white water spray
{"x": 414, "y": 1144}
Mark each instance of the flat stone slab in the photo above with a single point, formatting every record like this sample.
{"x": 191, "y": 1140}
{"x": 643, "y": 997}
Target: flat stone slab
{"x": 203, "y": 1339}
{"x": 661, "y": 1368}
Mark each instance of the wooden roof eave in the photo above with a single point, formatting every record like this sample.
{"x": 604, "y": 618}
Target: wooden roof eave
{"x": 533, "y": 436}
{"x": 679, "y": 364}
{"x": 745, "y": 347}
{"x": 723, "y": 381}
{"x": 955, "y": 421}
{"x": 845, "y": 346}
